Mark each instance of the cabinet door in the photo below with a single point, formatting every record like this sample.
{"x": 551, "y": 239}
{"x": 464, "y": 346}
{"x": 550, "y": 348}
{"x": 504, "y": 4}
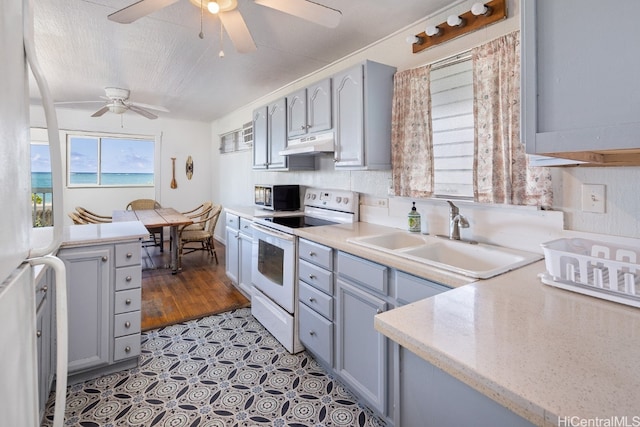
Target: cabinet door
{"x": 260, "y": 138}
{"x": 361, "y": 351}
{"x": 277, "y": 131}
{"x": 244, "y": 268}
{"x": 297, "y": 113}
{"x": 319, "y": 106}
{"x": 232, "y": 254}
{"x": 88, "y": 278}
{"x": 579, "y": 92}
{"x": 349, "y": 116}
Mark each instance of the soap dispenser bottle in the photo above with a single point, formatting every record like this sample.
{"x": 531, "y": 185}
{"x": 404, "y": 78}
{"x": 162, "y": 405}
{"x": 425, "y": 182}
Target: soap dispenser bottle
{"x": 414, "y": 219}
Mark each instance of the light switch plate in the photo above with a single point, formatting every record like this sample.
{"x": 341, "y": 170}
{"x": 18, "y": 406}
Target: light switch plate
{"x": 593, "y": 198}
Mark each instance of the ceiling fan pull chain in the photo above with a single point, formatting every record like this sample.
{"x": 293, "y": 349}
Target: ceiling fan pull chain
{"x": 201, "y": 35}
{"x": 221, "y": 53}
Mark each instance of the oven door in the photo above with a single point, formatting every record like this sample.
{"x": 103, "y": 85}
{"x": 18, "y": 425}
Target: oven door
{"x": 273, "y": 265}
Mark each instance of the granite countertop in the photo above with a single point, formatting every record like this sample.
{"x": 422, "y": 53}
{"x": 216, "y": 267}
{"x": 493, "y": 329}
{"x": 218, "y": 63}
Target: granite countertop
{"x": 81, "y": 235}
{"x": 542, "y": 352}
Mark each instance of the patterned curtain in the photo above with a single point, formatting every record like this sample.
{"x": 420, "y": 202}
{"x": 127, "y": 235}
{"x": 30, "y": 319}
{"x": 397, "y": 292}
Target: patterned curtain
{"x": 411, "y": 137}
{"x": 501, "y": 168}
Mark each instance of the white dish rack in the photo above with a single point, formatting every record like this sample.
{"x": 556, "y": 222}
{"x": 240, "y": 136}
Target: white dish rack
{"x": 602, "y": 270}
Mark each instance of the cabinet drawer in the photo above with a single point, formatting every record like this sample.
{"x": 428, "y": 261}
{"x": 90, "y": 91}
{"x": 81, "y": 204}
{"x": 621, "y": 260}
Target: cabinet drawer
{"x": 319, "y": 301}
{"x": 316, "y": 333}
{"x": 126, "y": 347}
{"x": 127, "y": 254}
{"x": 410, "y": 288}
{"x": 365, "y": 273}
{"x": 316, "y": 254}
{"x": 126, "y": 301}
{"x": 233, "y": 221}
{"x": 128, "y": 277}
{"x": 245, "y": 226}
{"x": 126, "y": 324}
{"x": 316, "y": 276}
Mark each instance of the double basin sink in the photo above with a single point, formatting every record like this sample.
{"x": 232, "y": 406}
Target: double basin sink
{"x": 478, "y": 260}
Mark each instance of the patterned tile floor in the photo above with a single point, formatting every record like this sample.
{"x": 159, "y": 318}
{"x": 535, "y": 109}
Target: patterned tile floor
{"x": 221, "y": 370}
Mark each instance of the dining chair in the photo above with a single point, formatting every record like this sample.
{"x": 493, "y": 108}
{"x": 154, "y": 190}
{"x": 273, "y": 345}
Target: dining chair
{"x": 203, "y": 236}
{"x": 77, "y": 219}
{"x": 156, "y": 234}
{"x": 92, "y": 217}
{"x": 198, "y": 213}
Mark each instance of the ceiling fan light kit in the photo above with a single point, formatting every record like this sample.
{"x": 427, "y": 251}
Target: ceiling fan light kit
{"x": 480, "y": 15}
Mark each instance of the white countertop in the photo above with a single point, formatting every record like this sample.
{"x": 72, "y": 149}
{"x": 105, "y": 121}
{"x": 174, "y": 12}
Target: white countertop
{"x": 81, "y": 235}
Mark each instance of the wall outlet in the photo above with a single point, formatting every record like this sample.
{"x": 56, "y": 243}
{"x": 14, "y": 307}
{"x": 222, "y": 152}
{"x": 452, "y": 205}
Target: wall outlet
{"x": 593, "y": 198}
{"x": 378, "y": 202}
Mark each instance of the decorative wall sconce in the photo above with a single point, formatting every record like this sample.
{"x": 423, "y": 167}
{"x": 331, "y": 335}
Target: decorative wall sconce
{"x": 480, "y": 15}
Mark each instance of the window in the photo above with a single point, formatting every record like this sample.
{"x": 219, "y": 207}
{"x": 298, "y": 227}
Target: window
{"x": 237, "y": 140}
{"x": 41, "y": 188}
{"x": 453, "y": 127}
{"x": 109, "y": 161}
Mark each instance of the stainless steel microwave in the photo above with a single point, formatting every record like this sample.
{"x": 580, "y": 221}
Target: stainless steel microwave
{"x": 277, "y": 197}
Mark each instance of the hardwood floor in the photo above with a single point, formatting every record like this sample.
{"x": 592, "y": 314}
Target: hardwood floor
{"x": 201, "y": 289}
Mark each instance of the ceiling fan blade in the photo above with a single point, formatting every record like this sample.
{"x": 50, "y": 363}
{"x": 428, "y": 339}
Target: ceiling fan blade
{"x": 78, "y": 103}
{"x": 138, "y": 10}
{"x": 142, "y": 112}
{"x": 308, "y": 10}
{"x": 100, "y": 112}
{"x": 238, "y": 31}
{"x": 148, "y": 106}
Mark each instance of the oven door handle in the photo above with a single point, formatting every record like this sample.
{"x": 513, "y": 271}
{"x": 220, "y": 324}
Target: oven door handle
{"x": 273, "y": 233}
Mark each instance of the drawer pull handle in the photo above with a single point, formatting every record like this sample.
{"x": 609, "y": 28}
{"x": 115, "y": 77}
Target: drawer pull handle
{"x": 128, "y": 278}
{"x": 129, "y": 254}
{"x": 312, "y": 277}
{"x": 312, "y": 299}
{"x": 128, "y": 301}
{"x": 127, "y": 324}
{"x": 127, "y": 349}
{"x": 39, "y": 334}
{"x": 312, "y": 333}
{"x": 105, "y": 258}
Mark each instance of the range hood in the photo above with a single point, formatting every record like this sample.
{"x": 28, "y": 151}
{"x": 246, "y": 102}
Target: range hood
{"x": 314, "y": 144}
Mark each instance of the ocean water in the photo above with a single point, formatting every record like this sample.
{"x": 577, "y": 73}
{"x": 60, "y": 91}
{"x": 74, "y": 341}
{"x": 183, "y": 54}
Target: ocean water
{"x": 41, "y": 181}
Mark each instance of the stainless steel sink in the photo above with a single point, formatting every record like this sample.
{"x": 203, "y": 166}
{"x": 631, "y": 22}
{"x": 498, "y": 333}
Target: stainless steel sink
{"x": 476, "y": 260}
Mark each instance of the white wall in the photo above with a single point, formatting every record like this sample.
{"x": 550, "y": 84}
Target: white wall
{"x": 179, "y": 138}
{"x": 233, "y": 178}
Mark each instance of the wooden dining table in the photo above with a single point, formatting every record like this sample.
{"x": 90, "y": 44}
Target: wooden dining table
{"x": 155, "y": 218}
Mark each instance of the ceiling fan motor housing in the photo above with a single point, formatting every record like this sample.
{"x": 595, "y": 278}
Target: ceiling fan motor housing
{"x": 117, "y": 93}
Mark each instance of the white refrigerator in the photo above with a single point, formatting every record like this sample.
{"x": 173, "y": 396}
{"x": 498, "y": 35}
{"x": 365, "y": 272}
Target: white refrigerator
{"x": 18, "y": 364}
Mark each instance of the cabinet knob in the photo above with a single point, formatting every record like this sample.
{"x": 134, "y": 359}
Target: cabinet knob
{"x": 127, "y": 324}
{"x": 105, "y": 258}
{"x": 308, "y": 126}
{"x": 129, "y": 254}
{"x": 312, "y": 333}
{"x": 312, "y": 277}
{"x": 378, "y": 311}
{"x": 312, "y": 254}
{"x": 312, "y": 299}
{"x": 303, "y": 127}
{"x": 38, "y": 334}
{"x": 127, "y": 349}
{"x": 45, "y": 288}
{"x": 128, "y": 278}
{"x": 128, "y": 301}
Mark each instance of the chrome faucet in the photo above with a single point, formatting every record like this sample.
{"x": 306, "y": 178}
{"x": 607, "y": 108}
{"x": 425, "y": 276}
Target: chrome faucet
{"x": 456, "y": 221}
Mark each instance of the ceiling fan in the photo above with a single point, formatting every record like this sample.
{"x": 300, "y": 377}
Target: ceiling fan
{"x": 118, "y": 103}
{"x": 232, "y": 19}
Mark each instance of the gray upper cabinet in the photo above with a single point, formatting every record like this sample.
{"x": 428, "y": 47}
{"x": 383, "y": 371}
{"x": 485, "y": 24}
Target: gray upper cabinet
{"x": 580, "y": 96}
{"x": 309, "y": 110}
{"x": 363, "y": 97}
{"x": 270, "y": 137}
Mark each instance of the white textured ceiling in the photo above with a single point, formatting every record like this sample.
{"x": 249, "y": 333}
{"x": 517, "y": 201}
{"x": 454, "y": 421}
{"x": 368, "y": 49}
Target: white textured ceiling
{"x": 161, "y": 59}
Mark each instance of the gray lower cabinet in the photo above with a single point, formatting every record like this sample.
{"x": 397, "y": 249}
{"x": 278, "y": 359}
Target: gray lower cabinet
{"x": 45, "y": 333}
{"x": 104, "y": 301}
{"x": 231, "y": 252}
{"x": 430, "y": 397}
{"x": 239, "y": 241}
{"x": 361, "y": 351}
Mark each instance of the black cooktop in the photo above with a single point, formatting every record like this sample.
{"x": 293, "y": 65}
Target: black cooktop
{"x": 298, "y": 221}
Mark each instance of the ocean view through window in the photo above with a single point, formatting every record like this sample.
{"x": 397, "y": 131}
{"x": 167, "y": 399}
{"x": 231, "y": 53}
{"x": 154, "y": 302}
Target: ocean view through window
{"x": 109, "y": 161}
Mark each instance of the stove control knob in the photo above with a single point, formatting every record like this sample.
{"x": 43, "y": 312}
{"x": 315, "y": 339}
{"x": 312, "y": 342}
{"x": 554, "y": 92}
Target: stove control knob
{"x": 338, "y": 199}
{"x": 308, "y": 195}
{"x": 345, "y": 200}
{"x": 313, "y": 197}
